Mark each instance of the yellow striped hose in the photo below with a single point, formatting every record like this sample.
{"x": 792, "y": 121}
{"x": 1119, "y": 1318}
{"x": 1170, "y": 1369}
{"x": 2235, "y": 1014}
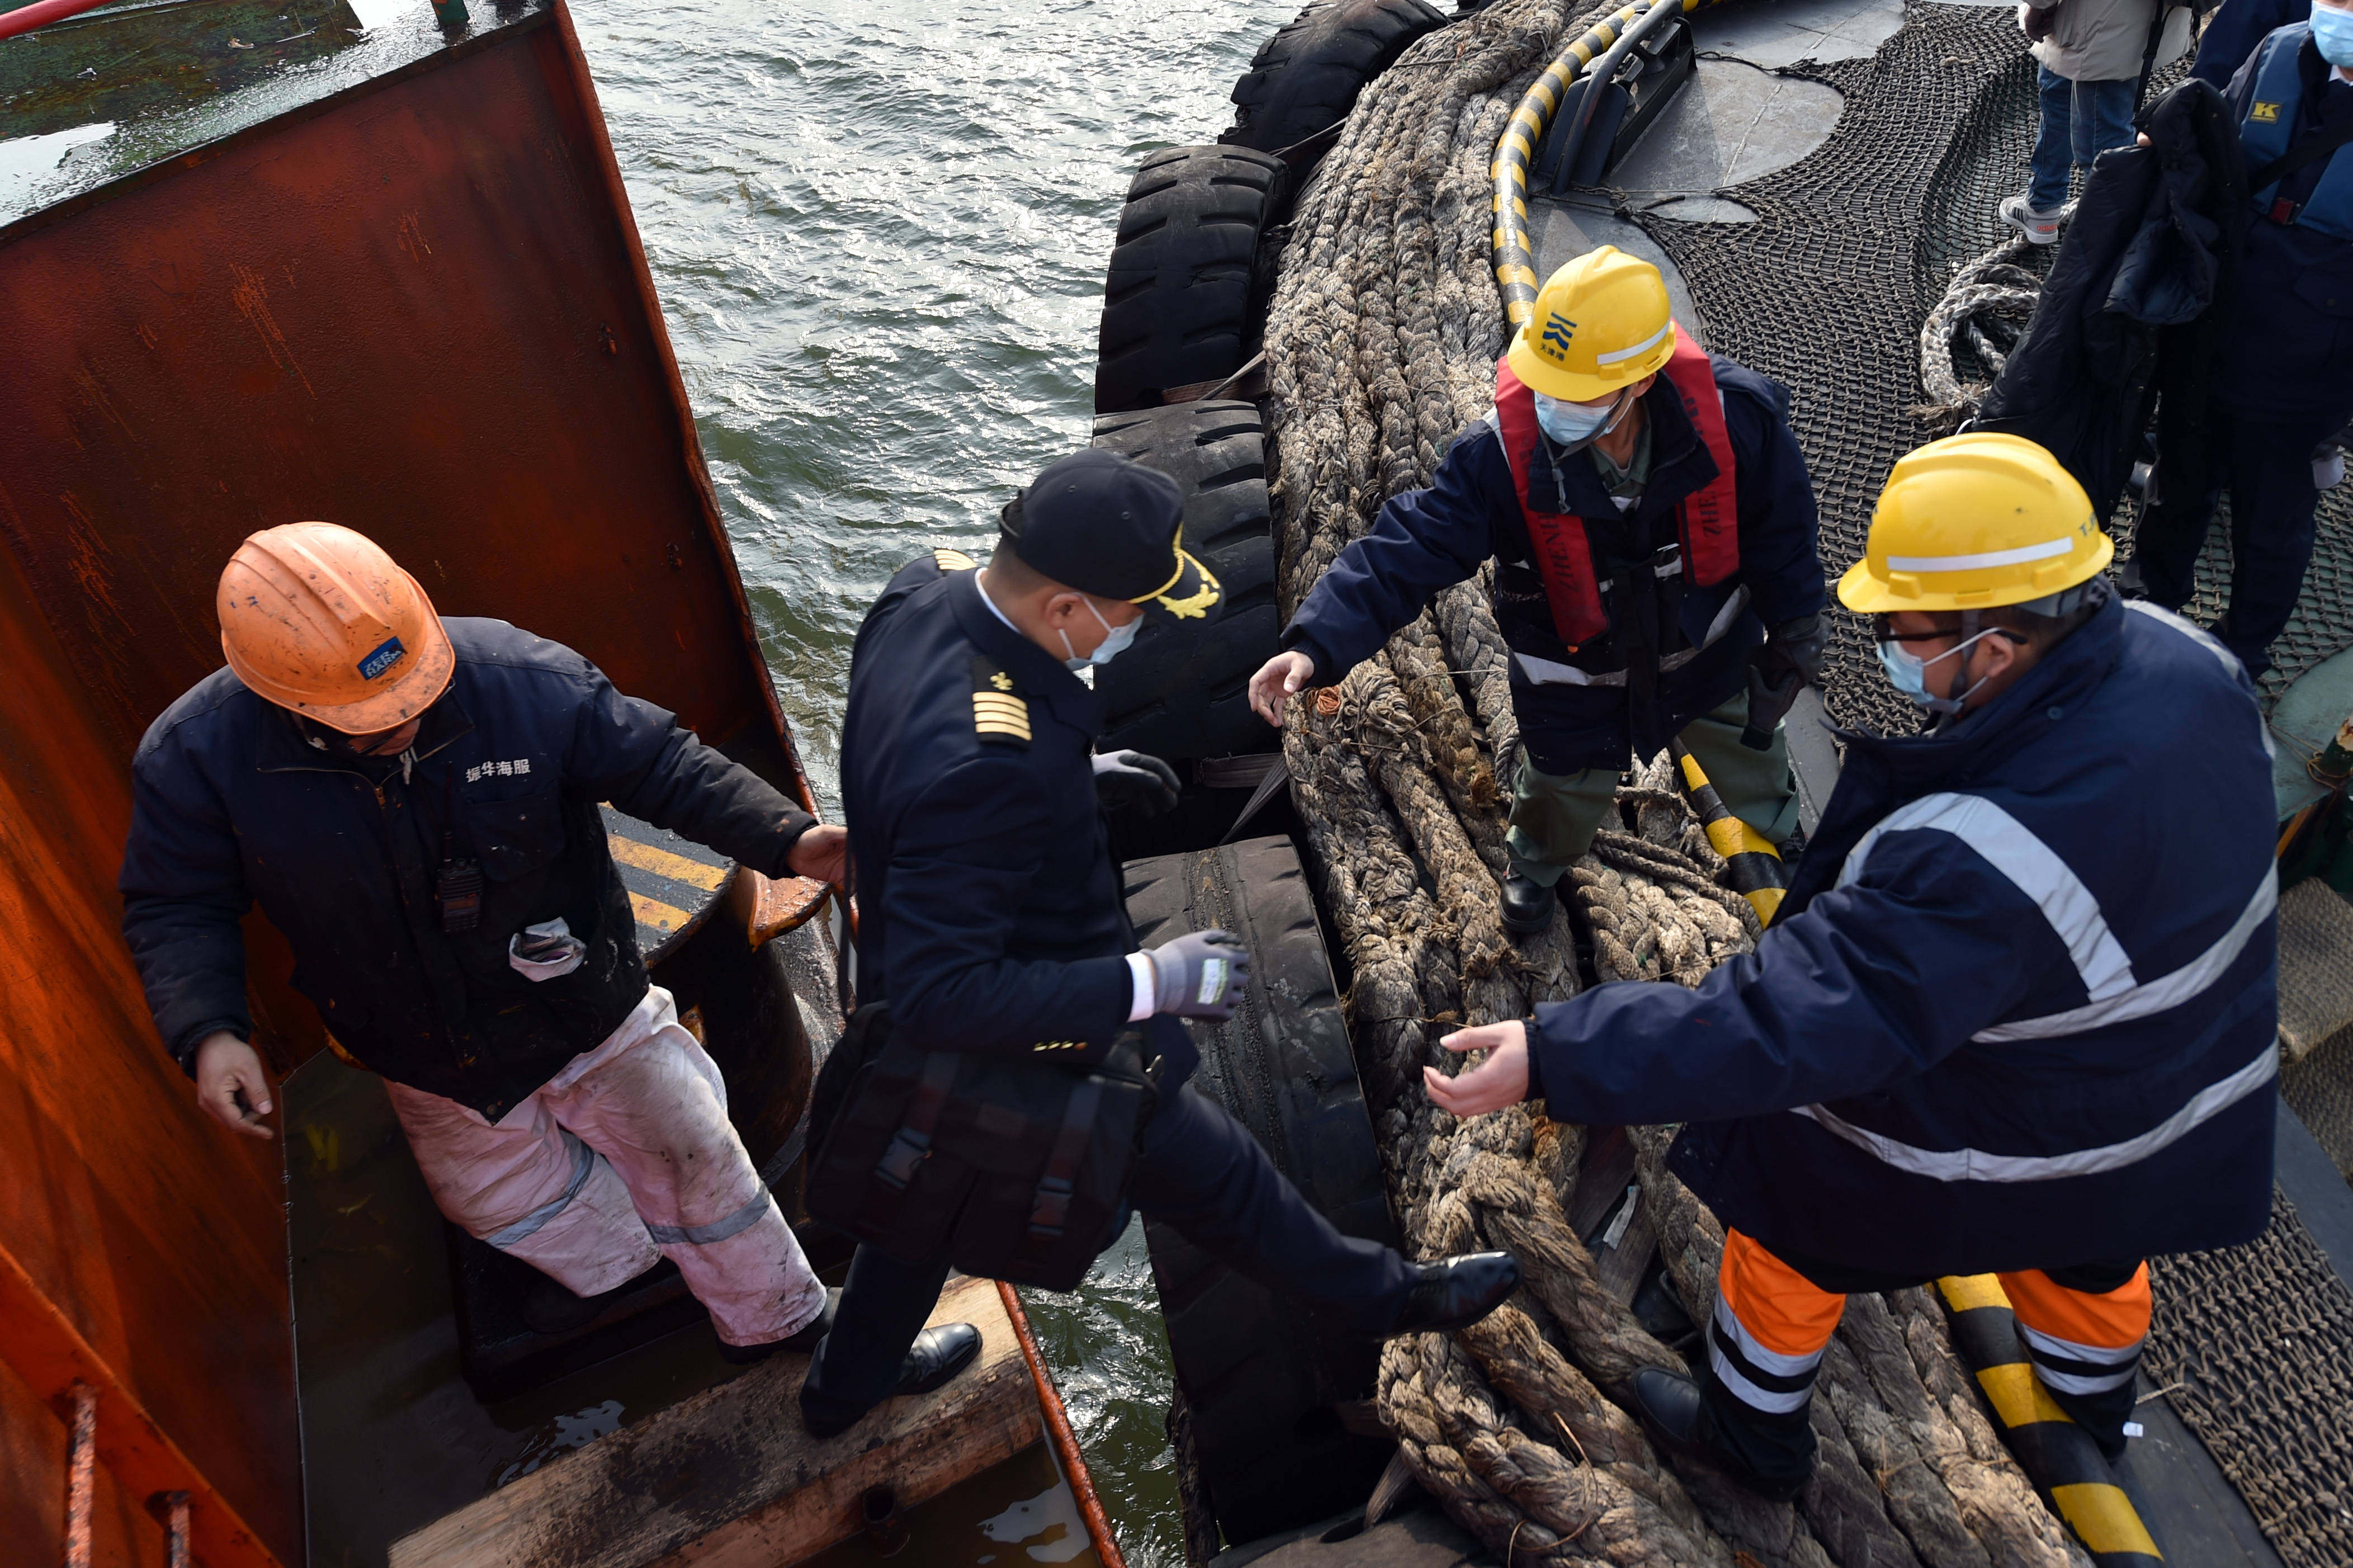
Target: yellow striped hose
{"x": 1753, "y": 865}
{"x": 2058, "y": 1456}
{"x": 1515, "y": 251}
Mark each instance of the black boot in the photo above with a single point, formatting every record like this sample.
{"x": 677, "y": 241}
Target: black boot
{"x": 935, "y": 1357}
{"x": 1527, "y": 906}
{"x": 549, "y": 1307}
{"x": 1672, "y": 1409}
{"x": 800, "y": 1342}
{"x": 1455, "y": 1292}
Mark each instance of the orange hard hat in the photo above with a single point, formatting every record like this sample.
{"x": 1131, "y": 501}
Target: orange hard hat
{"x": 319, "y": 619}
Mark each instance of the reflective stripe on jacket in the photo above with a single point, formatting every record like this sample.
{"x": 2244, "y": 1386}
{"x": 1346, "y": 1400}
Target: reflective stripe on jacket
{"x": 2017, "y": 1010}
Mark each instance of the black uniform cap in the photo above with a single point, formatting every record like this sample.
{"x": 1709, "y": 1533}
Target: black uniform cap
{"x": 1106, "y": 526}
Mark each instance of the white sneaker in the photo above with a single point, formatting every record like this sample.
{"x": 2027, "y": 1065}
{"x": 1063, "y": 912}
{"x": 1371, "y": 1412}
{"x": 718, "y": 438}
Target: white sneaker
{"x": 2039, "y": 227}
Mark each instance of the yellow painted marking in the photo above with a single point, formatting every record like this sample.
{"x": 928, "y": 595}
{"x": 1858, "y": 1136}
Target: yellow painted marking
{"x": 1766, "y": 903}
{"x": 1518, "y": 312}
{"x": 1732, "y": 836}
{"x": 1519, "y": 275}
{"x": 1497, "y": 241}
{"x": 1518, "y": 139}
{"x": 2018, "y": 1395}
{"x": 1519, "y": 206}
{"x": 1584, "y": 54}
{"x": 662, "y": 863}
{"x": 2104, "y": 1518}
{"x": 655, "y": 914}
{"x": 1963, "y": 1293}
{"x": 1523, "y": 115}
{"x": 1544, "y": 90}
{"x": 1519, "y": 176}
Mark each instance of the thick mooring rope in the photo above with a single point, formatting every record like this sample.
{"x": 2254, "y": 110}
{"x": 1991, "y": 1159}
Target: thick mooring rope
{"x": 1380, "y": 344}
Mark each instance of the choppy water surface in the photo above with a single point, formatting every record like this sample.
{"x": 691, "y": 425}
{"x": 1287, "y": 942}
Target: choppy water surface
{"x": 879, "y": 230}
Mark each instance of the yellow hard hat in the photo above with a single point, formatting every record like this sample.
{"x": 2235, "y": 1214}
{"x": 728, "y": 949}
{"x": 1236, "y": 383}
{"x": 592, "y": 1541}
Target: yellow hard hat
{"x": 319, "y": 619}
{"x": 1972, "y": 522}
{"x": 1600, "y": 322}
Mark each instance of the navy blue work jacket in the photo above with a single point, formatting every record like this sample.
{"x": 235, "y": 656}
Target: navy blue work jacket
{"x": 1428, "y": 540}
{"x": 2017, "y": 1010}
{"x": 990, "y": 913}
{"x": 2234, "y": 30}
{"x": 2284, "y": 337}
{"x": 231, "y": 806}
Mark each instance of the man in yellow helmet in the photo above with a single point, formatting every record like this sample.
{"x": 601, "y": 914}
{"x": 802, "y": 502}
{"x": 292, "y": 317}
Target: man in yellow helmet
{"x": 1653, "y": 529}
{"x": 2016, "y": 1014}
{"x": 413, "y": 801}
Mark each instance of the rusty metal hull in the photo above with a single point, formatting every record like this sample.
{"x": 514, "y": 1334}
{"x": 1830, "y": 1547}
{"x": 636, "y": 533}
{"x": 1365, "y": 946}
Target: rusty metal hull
{"x": 417, "y": 308}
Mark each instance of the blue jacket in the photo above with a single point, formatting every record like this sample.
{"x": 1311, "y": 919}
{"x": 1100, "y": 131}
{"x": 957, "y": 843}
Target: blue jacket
{"x": 232, "y": 806}
{"x": 1428, "y": 540}
{"x": 2284, "y": 335}
{"x": 2234, "y": 31}
{"x": 2018, "y": 1011}
{"x": 991, "y": 915}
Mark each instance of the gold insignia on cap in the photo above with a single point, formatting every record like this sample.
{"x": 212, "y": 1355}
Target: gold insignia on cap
{"x": 1193, "y": 605}
{"x": 953, "y": 561}
{"x": 996, "y": 713}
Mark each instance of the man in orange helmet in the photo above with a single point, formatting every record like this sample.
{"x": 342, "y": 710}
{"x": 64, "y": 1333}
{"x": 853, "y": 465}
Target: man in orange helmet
{"x": 414, "y": 804}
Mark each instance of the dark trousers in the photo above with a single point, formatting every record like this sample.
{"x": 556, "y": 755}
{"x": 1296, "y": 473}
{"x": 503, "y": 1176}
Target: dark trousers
{"x": 2264, "y": 459}
{"x": 1199, "y": 1169}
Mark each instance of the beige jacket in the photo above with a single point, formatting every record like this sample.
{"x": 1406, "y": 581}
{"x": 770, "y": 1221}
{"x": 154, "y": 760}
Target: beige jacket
{"x": 2097, "y": 41}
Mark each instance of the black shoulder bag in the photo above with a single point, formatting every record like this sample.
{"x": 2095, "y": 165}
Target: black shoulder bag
{"x": 1017, "y": 1168}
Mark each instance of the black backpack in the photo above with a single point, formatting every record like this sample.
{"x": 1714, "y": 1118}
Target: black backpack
{"x": 1017, "y": 1169}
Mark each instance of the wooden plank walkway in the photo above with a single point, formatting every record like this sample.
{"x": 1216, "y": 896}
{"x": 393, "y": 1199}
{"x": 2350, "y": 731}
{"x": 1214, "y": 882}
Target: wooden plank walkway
{"x": 730, "y": 1478}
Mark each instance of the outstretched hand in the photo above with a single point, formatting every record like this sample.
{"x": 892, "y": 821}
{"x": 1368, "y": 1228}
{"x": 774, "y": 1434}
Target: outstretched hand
{"x": 231, "y": 1086}
{"x": 1277, "y": 681}
{"x": 1501, "y": 1081}
{"x": 822, "y": 852}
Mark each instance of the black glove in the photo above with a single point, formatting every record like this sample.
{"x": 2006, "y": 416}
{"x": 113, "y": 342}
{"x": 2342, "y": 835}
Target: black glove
{"x": 1789, "y": 658}
{"x": 1135, "y": 778}
{"x": 1200, "y": 975}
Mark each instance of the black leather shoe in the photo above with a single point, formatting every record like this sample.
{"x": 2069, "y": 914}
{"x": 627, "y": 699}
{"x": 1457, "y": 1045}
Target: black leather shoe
{"x": 803, "y": 1341}
{"x": 1455, "y": 1292}
{"x": 1527, "y": 905}
{"x": 935, "y": 1357}
{"x": 1669, "y": 1405}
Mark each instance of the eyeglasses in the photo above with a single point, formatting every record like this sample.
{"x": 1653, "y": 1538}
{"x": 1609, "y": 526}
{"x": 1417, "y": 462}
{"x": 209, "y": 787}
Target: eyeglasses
{"x": 1882, "y": 629}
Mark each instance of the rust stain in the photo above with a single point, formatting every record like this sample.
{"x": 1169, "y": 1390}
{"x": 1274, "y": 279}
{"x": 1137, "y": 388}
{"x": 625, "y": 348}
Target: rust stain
{"x": 251, "y": 298}
{"x": 147, "y": 334}
{"x": 86, "y": 556}
{"x": 93, "y": 392}
{"x": 412, "y": 238}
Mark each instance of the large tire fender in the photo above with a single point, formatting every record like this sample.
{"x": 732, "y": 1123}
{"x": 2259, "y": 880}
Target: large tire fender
{"x": 1306, "y": 77}
{"x": 1180, "y": 692}
{"x": 1184, "y": 291}
{"x": 1261, "y": 1374}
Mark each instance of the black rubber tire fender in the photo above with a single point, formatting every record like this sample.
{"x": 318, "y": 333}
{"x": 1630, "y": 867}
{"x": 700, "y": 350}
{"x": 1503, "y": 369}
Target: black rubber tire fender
{"x": 1184, "y": 291}
{"x": 1306, "y": 77}
{"x": 1181, "y": 690}
{"x": 1262, "y": 1376}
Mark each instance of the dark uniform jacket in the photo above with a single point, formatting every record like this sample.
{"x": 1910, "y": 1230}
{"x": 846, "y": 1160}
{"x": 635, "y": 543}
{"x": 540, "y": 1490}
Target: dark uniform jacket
{"x": 1427, "y": 540}
{"x": 232, "y": 805}
{"x": 2233, "y": 31}
{"x": 2018, "y": 1009}
{"x": 990, "y": 914}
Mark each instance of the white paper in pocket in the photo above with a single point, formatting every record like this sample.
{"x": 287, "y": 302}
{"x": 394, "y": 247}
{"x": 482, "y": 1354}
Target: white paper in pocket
{"x": 546, "y": 952}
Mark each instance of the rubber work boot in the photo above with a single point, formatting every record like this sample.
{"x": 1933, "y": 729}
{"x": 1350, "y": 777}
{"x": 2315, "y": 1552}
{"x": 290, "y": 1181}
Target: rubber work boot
{"x": 2039, "y": 227}
{"x": 801, "y": 1341}
{"x": 1669, "y": 1407}
{"x": 1455, "y": 1292}
{"x": 549, "y": 1307}
{"x": 935, "y": 1357}
{"x": 1527, "y": 905}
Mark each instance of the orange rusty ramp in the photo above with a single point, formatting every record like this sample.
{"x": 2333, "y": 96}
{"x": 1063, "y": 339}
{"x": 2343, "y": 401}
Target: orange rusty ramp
{"x": 731, "y": 1477}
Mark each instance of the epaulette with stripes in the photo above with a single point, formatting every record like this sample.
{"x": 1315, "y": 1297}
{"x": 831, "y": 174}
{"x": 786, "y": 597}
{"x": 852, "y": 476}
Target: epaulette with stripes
{"x": 997, "y": 713}
{"x": 948, "y": 559}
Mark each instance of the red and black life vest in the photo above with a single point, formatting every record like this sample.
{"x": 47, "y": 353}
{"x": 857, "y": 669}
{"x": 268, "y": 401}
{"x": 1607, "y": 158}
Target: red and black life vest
{"x": 1708, "y": 518}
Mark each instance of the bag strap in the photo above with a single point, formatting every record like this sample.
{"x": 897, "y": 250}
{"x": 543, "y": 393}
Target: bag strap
{"x": 1049, "y": 1211}
{"x": 912, "y": 1144}
{"x": 2307, "y": 148}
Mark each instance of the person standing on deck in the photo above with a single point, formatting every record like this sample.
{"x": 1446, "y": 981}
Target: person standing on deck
{"x": 2282, "y": 384}
{"x": 2016, "y": 1014}
{"x": 2088, "y": 56}
{"x": 413, "y": 801}
{"x": 992, "y": 922}
{"x": 1653, "y": 529}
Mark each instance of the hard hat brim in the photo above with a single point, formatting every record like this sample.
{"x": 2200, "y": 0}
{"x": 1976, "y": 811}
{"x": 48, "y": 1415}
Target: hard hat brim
{"x": 1538, "y": 374}
{"x": 1867, "y": 593}
{"x": 410, "y": 694}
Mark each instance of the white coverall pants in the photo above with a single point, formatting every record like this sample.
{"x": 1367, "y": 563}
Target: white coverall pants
{"x": 625, "y": 1157}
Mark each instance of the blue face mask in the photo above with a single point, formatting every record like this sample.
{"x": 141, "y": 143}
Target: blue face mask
{"x": 1114, "y": 643}
{"x": 2332, "y": 34}
{"x": 1573, "y": 424}
{"x": 1908, "y": 673}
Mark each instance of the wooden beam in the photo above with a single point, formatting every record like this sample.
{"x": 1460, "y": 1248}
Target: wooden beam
{"x": 50, "y": 1354}
{"x": 731, "y": 1478}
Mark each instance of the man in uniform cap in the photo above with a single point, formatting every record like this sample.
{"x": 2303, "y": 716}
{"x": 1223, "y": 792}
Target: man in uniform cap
{"x": 991, "y": 917}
